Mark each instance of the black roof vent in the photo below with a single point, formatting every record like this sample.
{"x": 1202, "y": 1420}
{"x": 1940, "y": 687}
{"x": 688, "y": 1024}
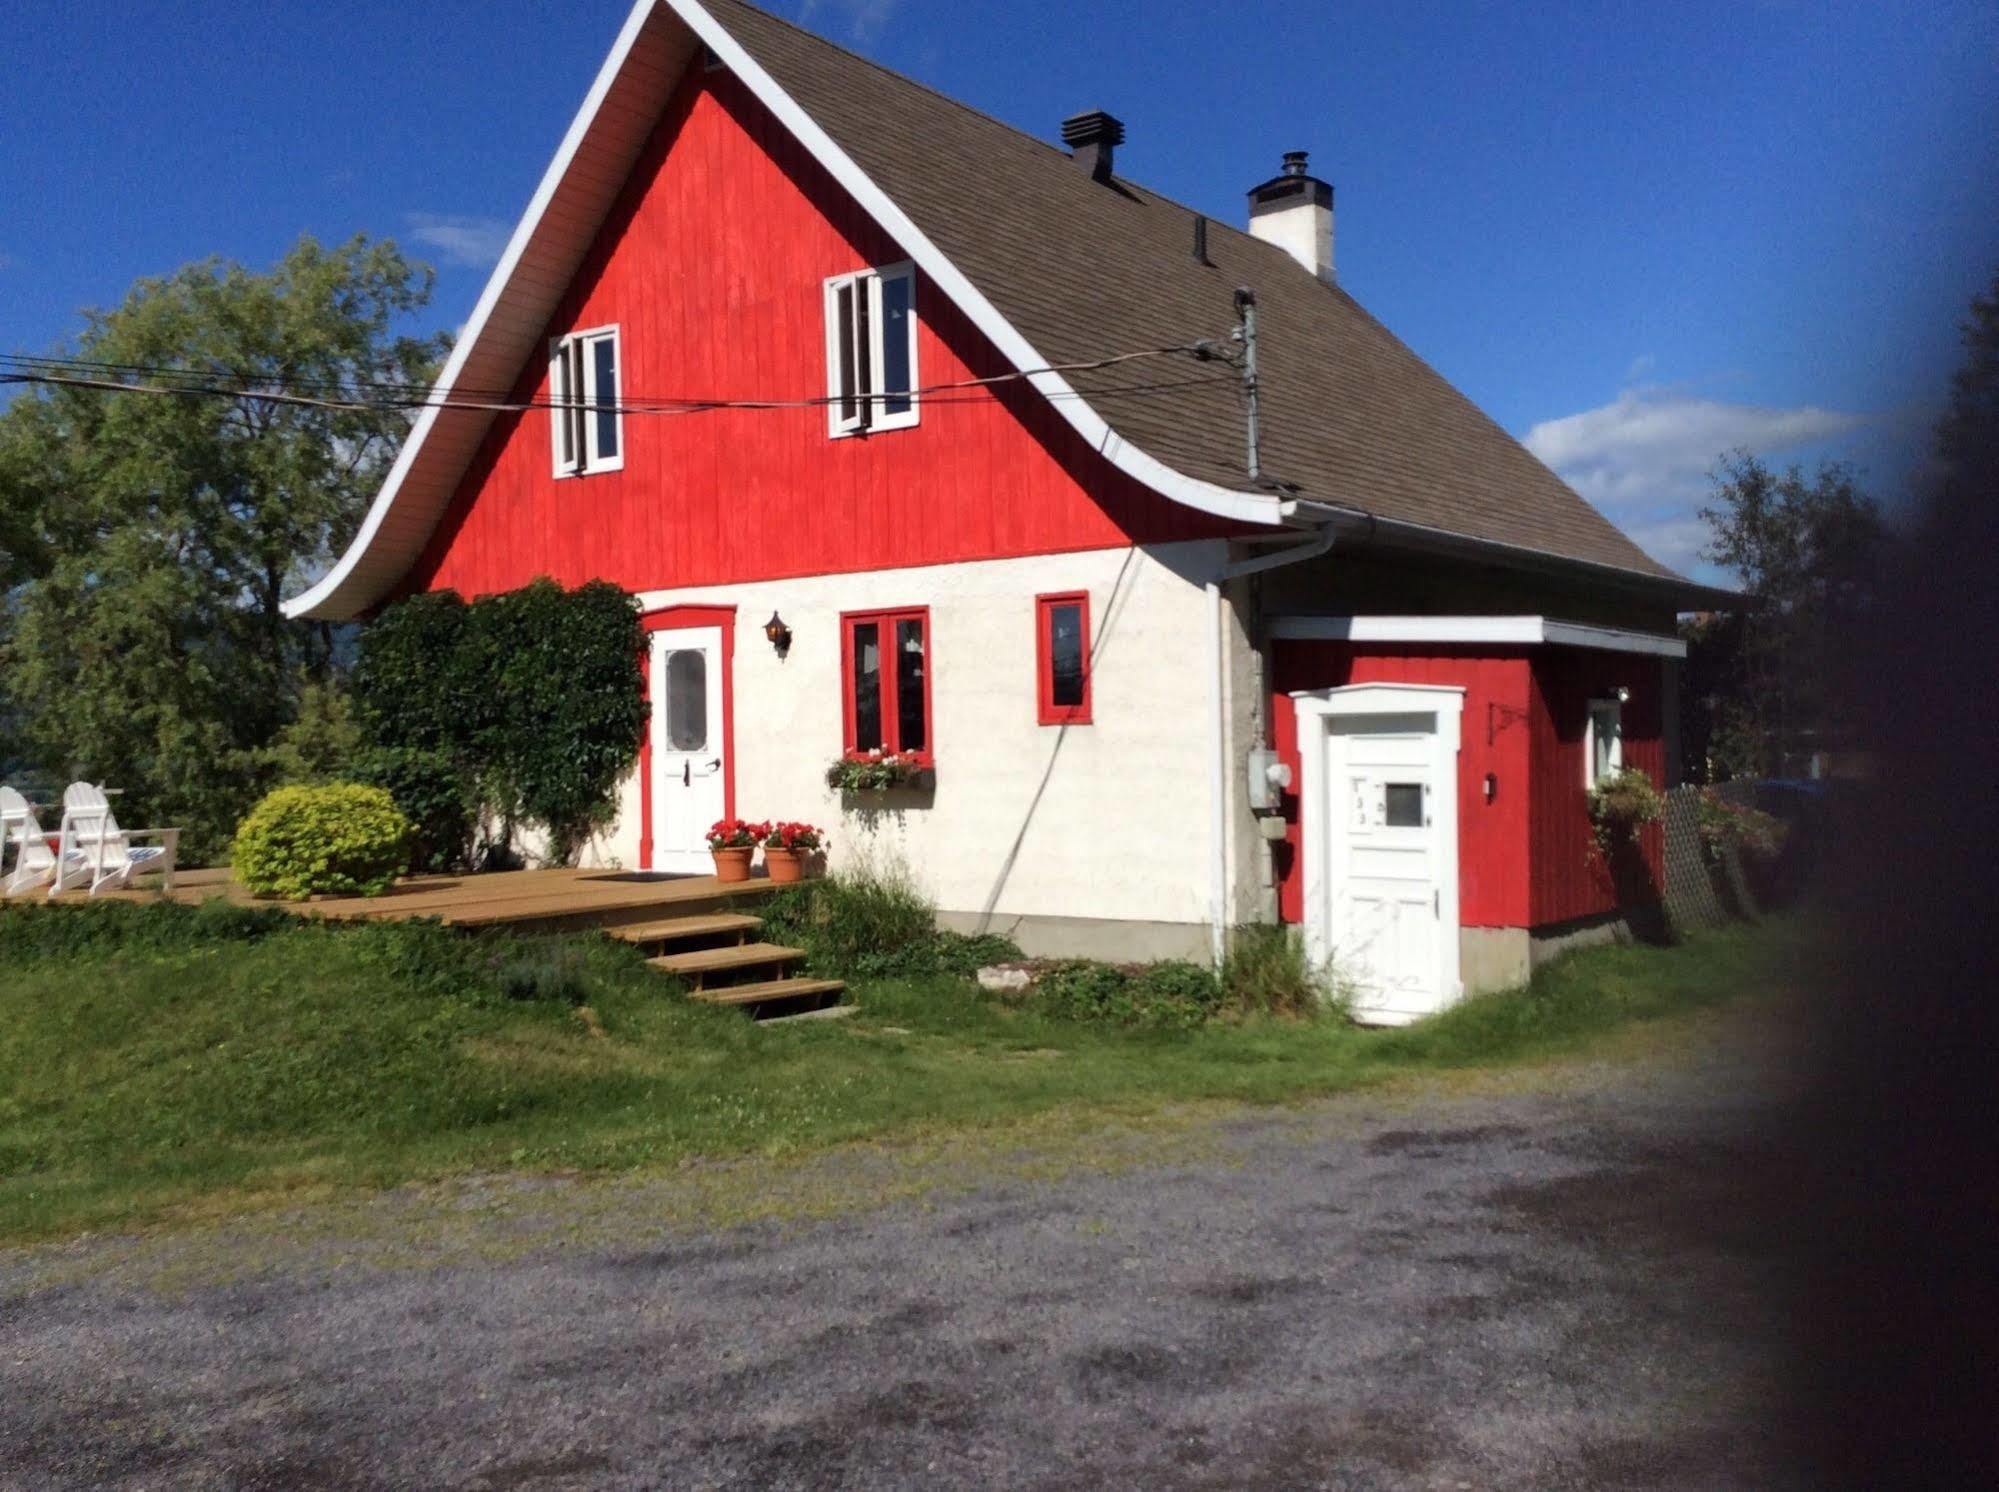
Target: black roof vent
{"x": 1091, "y": 139}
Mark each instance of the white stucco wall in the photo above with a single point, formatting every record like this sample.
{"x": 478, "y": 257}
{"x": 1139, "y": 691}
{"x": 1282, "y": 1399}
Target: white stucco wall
{"x": 1106, "y": 820}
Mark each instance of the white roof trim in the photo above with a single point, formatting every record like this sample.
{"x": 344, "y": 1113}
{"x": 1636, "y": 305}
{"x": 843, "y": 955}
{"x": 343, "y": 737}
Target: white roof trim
{"x": 1510, "y": 631}
{"x": 351, "y": 587}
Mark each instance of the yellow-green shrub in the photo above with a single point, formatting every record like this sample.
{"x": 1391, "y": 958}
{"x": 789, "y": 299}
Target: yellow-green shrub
{"x": 342, "y": 838}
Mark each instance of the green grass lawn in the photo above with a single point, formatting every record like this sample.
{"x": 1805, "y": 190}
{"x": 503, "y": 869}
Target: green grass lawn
{"x": 187, "y": 1069}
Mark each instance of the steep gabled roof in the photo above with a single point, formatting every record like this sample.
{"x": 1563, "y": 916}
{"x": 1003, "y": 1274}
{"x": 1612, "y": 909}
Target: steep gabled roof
{"x": 1054, "y": 268}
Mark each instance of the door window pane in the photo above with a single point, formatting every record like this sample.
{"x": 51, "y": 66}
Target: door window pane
{"x": 1065, "y": 654}
{"x": 687, "y": 699}
{"x": 1404, "y": 806}
{"x": 867, "y": 686}
{"x": 909, "y": 690}
{"x": 604, "y": 359}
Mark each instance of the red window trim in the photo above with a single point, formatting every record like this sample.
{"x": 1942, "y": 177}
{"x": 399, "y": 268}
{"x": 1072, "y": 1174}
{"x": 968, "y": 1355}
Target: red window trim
{"x": 1047, "y": 712}
{"x": 891, "y": 717}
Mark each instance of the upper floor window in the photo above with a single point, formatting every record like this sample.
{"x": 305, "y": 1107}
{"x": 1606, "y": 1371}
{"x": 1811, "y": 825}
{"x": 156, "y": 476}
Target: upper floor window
{"x": 1603, "y": 741}
{"x": 589, "y": 428}
{"x": 1062, "y": 655}
{"x": 871, "y": 350}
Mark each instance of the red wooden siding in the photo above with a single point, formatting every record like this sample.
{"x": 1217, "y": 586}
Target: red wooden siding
{"x": 1570, "y": 879}
{"x": 712, "y": 265}
{"x": 1527, "y": 858}
{"x": 1492, "y": 836}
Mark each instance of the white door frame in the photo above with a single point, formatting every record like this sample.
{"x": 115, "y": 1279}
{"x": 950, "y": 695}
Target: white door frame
{"x": 1323, "y": 853}
{"x": 663, "y": 640}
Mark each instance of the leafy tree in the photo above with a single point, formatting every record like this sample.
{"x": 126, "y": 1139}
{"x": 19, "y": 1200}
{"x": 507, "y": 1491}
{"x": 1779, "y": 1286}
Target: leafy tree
{"x": 149, "y": 539}
{"x": 1810, "y": 552}
{"x": 1968, "y": 433}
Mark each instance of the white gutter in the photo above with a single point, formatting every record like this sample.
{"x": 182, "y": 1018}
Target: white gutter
{"x": 1320, "y": 543}
{"x": 1497, "y": 631}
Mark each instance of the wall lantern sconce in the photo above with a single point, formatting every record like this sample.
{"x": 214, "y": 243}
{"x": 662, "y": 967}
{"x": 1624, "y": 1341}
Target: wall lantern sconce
{"x": 778, "y": 633}
{"x": 1623, "y": 695}
{"x": 1491, "y": 786}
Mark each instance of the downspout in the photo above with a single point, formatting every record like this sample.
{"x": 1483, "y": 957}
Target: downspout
{"x": 1321, "y": 542}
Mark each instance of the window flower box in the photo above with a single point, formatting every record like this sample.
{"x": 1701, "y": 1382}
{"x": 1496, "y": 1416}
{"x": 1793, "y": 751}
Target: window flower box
{"x": 879, "y": 771}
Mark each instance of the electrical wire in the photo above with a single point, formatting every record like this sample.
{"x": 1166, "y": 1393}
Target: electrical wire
{"x": 352, "y": 396}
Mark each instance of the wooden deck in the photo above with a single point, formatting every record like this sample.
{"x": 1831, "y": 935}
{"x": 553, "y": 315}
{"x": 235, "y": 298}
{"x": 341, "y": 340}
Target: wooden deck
{"x": 596, "y": 898}
{"x": 699, "y": 930}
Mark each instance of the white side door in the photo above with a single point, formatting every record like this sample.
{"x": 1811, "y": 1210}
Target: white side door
{"x": 689, "y": 747}
{"x": 1386, "y": 892}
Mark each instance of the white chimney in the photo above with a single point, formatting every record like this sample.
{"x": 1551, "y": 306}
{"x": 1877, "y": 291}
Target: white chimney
{"x": 1295, "y": 211}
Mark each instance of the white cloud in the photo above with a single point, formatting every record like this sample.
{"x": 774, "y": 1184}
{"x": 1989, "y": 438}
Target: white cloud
{"x": 864, "y": 18}
{"x": 1644, "y": 458}
{"x": 474, "y": 242}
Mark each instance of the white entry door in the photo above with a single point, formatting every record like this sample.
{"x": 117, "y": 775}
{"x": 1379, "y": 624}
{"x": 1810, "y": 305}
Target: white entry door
{"x": 1387, "y": 890}
{"x": 1381, "y": 863}
{"x": 688, "y": 745}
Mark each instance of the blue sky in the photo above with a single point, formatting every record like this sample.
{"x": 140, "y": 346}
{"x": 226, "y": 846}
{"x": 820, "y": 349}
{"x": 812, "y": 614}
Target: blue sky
{"x": 1637, "y": 234}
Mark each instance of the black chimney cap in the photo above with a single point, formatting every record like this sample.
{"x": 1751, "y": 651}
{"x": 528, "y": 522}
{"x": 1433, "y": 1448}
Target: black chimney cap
{"x": 1092, "y": 128}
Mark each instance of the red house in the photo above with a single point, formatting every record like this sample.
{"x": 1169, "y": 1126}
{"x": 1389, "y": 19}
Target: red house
{"x": 1195, "y": 596}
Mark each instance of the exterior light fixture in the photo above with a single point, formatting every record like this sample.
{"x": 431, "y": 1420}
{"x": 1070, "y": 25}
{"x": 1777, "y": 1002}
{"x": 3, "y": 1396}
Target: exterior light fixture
{"x": 1623, "y": 695}
{"x": 778, "y": 633}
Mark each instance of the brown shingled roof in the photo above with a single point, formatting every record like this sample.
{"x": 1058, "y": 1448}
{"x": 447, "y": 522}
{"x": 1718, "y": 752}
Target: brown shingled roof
{"x": 1084, "y": 270}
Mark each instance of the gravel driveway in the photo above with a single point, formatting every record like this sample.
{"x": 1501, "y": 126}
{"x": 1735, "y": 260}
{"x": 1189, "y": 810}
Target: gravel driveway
{"x": 1556, "y": 1280}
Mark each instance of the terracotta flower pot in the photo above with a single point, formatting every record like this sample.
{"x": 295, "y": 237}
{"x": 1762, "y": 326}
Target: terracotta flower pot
{"x": 733, "y": 863}
{"x": 784, "y": 865}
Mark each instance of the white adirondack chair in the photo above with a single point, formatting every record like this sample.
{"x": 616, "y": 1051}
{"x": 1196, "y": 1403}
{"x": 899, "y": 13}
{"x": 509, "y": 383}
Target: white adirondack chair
{"x": 99, "y": 853}
{"x": 35, "y": 860}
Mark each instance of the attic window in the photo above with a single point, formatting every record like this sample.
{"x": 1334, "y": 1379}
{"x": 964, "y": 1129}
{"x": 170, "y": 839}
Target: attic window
{"x": 871, "y": 350}
{"x": 588, "y": 428}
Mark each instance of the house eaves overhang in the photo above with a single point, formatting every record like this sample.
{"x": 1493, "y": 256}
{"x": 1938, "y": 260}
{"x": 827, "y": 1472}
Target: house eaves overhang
{"x": 1359, "y": 529}
{"x": 1488, "y": 631}
{"x": 653, "y": 49}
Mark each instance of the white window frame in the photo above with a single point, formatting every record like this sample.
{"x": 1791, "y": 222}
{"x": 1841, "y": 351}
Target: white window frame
{"x": 868, "y": 415}
{"x": 573, "y": 436}
{"x": 1599, "y": 709}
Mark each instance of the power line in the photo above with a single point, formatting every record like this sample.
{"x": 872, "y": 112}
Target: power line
{"x": 352, "y": 395}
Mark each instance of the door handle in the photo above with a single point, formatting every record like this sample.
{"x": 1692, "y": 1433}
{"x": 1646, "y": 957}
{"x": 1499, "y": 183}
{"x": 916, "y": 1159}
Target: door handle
{"x": 686, "y": 773}
{"x": 715, "y": 765}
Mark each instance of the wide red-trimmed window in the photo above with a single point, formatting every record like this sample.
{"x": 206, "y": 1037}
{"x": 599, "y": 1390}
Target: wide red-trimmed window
{"x": 1062, "y": 650}
{"x": 885, "y": 667}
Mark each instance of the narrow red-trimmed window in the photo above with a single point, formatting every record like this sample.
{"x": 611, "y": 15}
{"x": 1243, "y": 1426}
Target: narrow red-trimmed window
{"x": 885, "y": 681}
{"x": 1062, "y": 652}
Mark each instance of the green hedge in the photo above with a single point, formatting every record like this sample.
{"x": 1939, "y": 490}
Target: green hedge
{"x": 526, "y": 707}
{"x": 343, "y": 838}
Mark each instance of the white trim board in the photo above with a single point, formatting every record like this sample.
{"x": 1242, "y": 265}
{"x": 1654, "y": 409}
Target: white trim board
{"x": 1510, "y": 631}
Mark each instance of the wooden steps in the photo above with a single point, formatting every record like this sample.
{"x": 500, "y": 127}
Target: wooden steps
{"x": 698, "y": 964}
{"x": 770, "y": 991}
{"x": 722, "y": 962}
{"x": 685, "y": 929}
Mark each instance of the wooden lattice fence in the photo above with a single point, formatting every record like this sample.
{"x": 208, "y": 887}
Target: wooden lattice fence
{"x": 1702, "y": 890}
